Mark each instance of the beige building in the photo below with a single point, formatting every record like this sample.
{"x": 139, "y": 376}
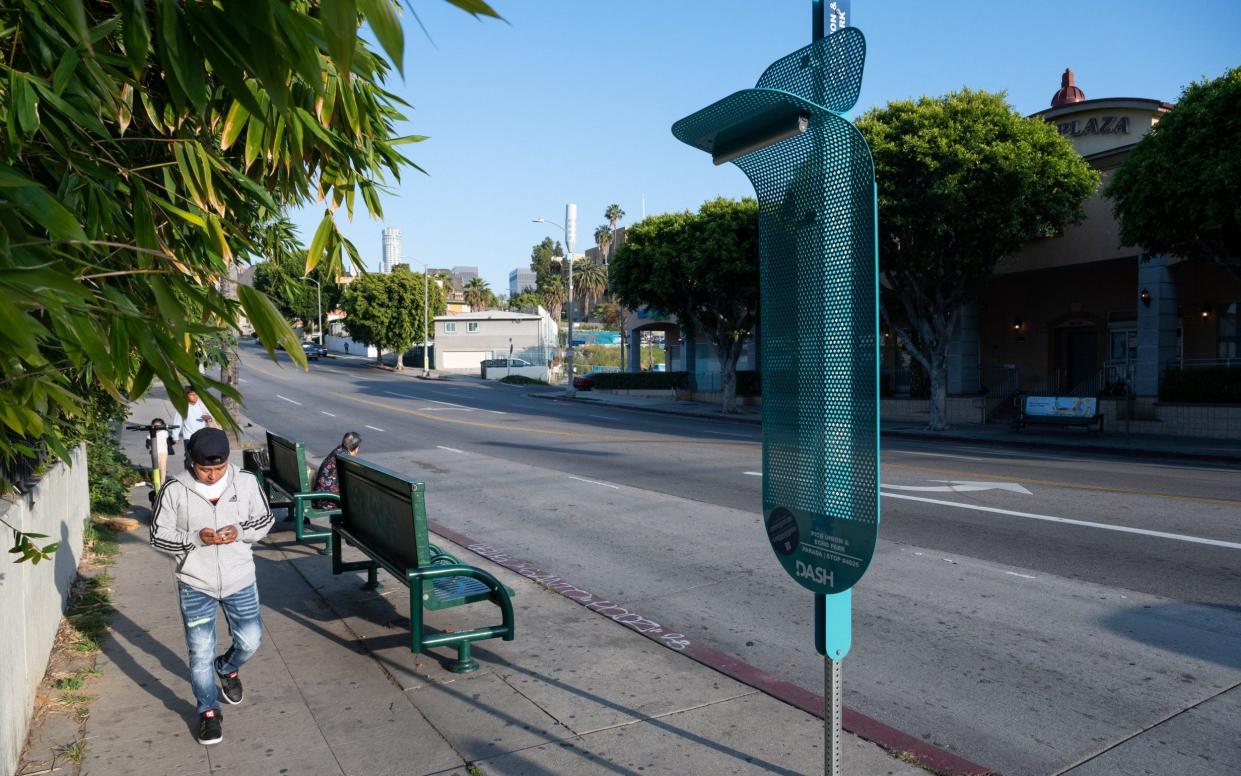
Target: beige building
{"x": 1082, "y": 314}
{"x": 464, "y": 340}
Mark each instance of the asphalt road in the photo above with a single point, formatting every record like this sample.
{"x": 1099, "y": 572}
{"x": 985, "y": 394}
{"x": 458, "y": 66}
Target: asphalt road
{"x": 1038, "y": 613}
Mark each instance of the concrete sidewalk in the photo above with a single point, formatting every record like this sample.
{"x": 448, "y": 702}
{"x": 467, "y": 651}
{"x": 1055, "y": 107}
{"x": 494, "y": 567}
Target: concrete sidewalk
{"x": 335, "y": 690}
{"x": 999, "y": 434}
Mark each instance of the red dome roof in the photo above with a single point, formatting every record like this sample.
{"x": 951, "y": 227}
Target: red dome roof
{"x": 1069, "y": 93}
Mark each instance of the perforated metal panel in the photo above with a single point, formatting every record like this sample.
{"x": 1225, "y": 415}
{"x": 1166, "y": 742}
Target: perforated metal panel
{"x": 817, "y": 212}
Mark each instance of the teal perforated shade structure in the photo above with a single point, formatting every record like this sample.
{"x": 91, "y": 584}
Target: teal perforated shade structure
{"x": 815, "y": 182}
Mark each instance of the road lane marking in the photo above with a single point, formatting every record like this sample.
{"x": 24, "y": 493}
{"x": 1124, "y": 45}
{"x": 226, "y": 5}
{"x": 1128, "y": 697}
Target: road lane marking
{"x": 325, "y": 412}
{"x": 1069, "y": 521}
{"x": 290, "y": 401}
{"x": 1023, "y": 576}
{"x": 1067, "y": 485}
{"x": 650, "y": 438}
{"x": 463, "y": 407}
{"x": 727, "y": 434}
{"x": 242, "y": 379}
{"x": 400, "y": 395}
{"x": 451, "y": 449}
{"x": 595, "y": 482}
{"x": 372, "y": 428}
{"x": 754, "y": 474}
{"x": 960, "y": 486}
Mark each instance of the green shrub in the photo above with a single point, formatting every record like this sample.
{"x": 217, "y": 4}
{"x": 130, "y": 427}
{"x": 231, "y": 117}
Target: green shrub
{"x": 640, "y": 381}
{"x": 522, "y": 380}
{"x": 1211, "y": 385}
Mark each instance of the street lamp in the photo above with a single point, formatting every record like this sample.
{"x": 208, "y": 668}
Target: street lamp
{"x": 319, "y": 293}
{"x": 570, "y": 237}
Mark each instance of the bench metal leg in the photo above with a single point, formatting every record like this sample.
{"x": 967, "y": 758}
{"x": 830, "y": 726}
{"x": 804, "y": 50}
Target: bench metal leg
{"x": 465, "y": 664}
{"x": 372, "y": 578}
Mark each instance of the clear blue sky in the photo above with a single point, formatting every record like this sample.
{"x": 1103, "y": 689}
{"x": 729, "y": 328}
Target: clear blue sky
{"x": 572, "y": 100}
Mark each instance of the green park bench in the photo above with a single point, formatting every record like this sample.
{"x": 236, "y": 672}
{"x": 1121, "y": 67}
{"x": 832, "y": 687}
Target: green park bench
{"x": 384, "y": 515}
{"x": 286, "y": 480}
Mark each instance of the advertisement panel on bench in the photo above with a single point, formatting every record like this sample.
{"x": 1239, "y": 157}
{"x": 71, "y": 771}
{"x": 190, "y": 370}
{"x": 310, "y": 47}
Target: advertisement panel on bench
{"x": 1062, "y": 406}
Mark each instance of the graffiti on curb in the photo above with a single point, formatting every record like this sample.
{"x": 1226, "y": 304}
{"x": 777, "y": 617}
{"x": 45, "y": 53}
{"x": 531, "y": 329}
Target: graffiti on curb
{"x": 609, "y": 609}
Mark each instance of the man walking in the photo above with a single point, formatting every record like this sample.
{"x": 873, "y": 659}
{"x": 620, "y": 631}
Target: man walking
{"x": 197, "y": 417}
{"x": 208, "y": 517}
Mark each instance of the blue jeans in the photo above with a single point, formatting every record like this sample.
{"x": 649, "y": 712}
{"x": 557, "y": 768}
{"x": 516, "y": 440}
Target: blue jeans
{"x": 198, "y": 609}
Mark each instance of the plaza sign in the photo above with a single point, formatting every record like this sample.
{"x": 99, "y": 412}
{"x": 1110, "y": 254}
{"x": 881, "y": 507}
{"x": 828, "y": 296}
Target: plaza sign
{"x": 1103, "y": 125}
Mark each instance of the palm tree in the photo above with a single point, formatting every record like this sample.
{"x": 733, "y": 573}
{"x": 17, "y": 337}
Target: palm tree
{"x": 613, "y": 214}
{"x": 477, "y": 294}
{"x": 603, "y": 239}
{"x": 592, "y": 279}
{"x": 553, "y": 293}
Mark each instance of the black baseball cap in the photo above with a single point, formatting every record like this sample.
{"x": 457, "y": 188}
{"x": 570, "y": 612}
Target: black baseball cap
{"x": 209, "y": 447}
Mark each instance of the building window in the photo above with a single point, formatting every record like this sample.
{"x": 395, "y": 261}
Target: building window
{"x": 450, "y": 328}
{"x": 1230, "y": 330}
{"x": 473, "y": 326}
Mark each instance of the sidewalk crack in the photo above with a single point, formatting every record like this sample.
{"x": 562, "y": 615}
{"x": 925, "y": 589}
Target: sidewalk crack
{"x": 1121, "y": 742}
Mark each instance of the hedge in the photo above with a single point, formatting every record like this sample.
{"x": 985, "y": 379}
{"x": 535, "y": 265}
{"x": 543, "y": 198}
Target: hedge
{"x": 1209, "y": 385}
{"x": 640, "y": 381}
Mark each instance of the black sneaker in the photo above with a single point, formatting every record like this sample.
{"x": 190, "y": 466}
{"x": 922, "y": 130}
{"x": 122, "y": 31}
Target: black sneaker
{"x": 230, "y": 686}
{"x": 209, "y": 729}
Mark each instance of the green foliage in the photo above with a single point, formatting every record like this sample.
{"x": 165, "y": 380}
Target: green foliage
{"x": 701, "y": 267}
{"x": 145, "y": 143}
{"x": 282, "y": 276}
{"x": 963, "y": 180}
{"x": 109, "y": 472}
{"x": 1179, "y": 191}
{"x": 1213, "y": 385}
{"x": 478, "y": 295}
{"x": 386, "y": 311}
{"x": 526, "y": 300}
{"x": 544, "y": 261}
{"x": 591, "y": 280}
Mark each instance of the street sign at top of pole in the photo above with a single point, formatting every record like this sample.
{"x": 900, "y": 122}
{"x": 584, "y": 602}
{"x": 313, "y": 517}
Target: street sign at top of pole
{"x": 814, "y": 177}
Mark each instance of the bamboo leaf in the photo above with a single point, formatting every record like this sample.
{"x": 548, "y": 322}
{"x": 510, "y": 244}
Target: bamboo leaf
{"x": 233, "y": 124}
{"x": 381, "y": 15}
{"x": 318, "y": 244}
{"x": 135, "y": 33}
{"x": 340, "y": 28}
{"x": 269, "y": 324}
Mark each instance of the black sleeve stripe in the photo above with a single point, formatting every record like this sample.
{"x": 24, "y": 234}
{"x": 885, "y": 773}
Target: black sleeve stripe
{"x": 156, "y": 541}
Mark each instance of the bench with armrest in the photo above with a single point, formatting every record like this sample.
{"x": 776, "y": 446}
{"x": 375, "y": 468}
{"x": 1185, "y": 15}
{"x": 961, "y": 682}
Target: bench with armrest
{"x": 383, "y": 514}
{"x": 286, "y": 480}
{"x": 1051, "y": 410}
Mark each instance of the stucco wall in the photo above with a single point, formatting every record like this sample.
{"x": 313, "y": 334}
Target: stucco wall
{"x": 33, "y": 598}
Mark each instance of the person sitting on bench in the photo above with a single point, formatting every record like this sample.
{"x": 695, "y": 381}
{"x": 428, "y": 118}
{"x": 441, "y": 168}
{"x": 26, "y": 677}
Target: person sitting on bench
{"x": 325, "y": 477}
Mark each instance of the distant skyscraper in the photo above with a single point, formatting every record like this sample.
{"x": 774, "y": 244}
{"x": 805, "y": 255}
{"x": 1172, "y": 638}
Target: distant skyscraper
{"x": 462, "y": 276}
{"x": 521, "y": 279}
{"x": 391, "y": 249}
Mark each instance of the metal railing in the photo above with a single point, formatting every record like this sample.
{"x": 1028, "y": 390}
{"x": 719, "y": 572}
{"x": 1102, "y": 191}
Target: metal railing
{"x": 1233, "y": 362}
{"x": 1116, "y": 377}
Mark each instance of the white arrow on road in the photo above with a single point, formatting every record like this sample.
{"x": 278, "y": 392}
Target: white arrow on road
{"x": 960, "y": 486}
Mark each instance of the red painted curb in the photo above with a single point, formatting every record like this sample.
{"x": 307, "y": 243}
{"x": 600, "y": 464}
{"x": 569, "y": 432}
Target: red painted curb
{"x": 927, "y": 755}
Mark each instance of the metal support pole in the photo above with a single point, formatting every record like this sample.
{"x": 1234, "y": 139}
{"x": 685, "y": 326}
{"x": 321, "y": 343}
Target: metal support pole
{"x": 833, "y": 718}
{"x": 569, "y": 351}
{"x": 426, "y": 307}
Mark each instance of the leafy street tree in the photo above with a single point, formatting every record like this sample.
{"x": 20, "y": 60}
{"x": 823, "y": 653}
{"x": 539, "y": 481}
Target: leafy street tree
{"x": 545, "y": 260}
{"x": 525, "y": 301}
{"x": 963, "y": 180}
{"x": 478, "y": 295}
{"x": 145, "y": 145}
{"x": 1179, "y": 192}
{"x": 703, "y": 267}
{"x": 591, "y": 280}
{"x": 386, "y": 311}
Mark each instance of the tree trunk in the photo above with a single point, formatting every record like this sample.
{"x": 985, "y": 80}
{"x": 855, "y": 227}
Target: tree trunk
{"x": 939, "y": 388}
{"x": 230, "y": 372}
{"x": 379, "y": 356}
{"x": 400, "y": 360}
{"x": 728, "y": 376}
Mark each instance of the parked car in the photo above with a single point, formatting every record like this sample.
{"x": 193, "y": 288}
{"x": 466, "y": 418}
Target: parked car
{"x": 313, "y": 350}
{"x": 585, "y": 382}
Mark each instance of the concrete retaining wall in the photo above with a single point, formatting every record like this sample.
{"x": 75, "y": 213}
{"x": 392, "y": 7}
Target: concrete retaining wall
{"x": 347, "y": 345}
{"x": 1209, "y": 421}
{"x": 33, "y": 598}
{"x": 961, "y": 409}
{"x": 533, "y": 372}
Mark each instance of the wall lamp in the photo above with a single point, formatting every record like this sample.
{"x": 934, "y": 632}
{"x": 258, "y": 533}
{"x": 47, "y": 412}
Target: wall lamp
{"x": 1145, "y": 296}
{"x": 1018, "y": 324}
{"x": 1206, "y": 310}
